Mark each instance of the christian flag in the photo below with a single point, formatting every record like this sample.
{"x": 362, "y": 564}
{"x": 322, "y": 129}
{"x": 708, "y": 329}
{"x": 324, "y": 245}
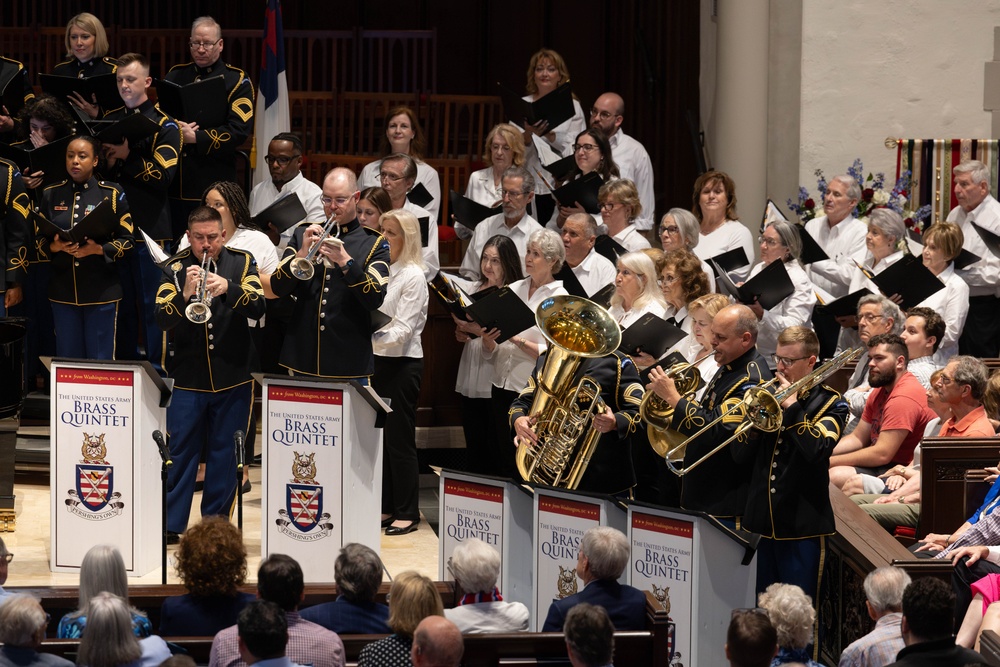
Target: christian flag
{"x": 271, "y": 116}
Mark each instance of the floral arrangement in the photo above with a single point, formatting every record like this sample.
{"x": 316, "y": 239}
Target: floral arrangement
{"x": 873, "y": 195}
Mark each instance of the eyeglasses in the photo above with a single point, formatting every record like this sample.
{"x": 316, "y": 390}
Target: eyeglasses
{"x": 7, "y": 557}
{"x": 392, "y": 178}
{"x": 610, "y": 205}
{"x": 586, "y": 148}
{"x": 511, "y": 194}
{"x": 770, "y": 243}
{"x": 603, "y": 115}
{"x": 672, "y": 230}
{"x": 786, "y": 361}
{"x": 339, "y": 202}
{"x": 869, "y": 317}
{"x": 666, "y": 280}
{"x": 500, "y": 147}
{"x": 203, "y": 45}
{"x": 282, "y": 160}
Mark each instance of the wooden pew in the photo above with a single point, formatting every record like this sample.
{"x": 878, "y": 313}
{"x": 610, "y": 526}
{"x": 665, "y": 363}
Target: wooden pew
{"x": 989, "y": 647}
{"x": 944, "y": 492}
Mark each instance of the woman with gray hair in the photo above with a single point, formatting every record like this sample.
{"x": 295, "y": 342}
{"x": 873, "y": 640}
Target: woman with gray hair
{"x": 679, "y": 230}
{"x": 780, "y": 242}
{"x": 22, "y": 629}
{"x": 110, "y": 642}
{"x": 102, "y": 570}
{"x": 636, "y": 290}
{"x": 792, "y": 615}
{"x": 475, "y": 566}
{"x": 886, "y": 245}
{"x": 514, "y": 359}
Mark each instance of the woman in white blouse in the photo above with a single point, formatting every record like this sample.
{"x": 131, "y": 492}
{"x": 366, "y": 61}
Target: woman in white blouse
{"x": 942, "y": 244}
{"x": 399, "y": 365}
{"x": 499, "y": 265}
{"x": 636, "y": 291}
{"x": 780, "y": 242}
{"x": 404, "y": 135}
{"x": 620, "y": 206}
{"x": 885, "y": 231}
{"x": 591, "y": 153}
{"x": 679, "y": 230}
{"x": 514, "y": 359}
{"x": 504, "y": 148}
{"x": 714, "y": 205}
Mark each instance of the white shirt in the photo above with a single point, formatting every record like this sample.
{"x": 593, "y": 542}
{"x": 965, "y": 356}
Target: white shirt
{"x": 426, "y": 174}
{"x": 482, "y": 190}
{"x": 842, "y": 243}
{"x": 486, "y": 617}
{"x": 981, "y": 276}
{"x": 794, "y": 310}
{"x": 730, "y": 234}
{"x": 859, "y": 280}
{"x": 512, "y": 366}
{"x": 595, "y": 272}
{"x": 489, "y": 228}
{"x": 631, "y": 238}
{"x": 626, "y": 318}
{"x": 565, "y": 134}
{"x": 475, "y": 370}
{"x": 432, "y": 262}
{"x": 952, "y": 304}
{"x": 406, "y": 303}
{"x": 634, "y": 164}
{"x": 265, "y": 193}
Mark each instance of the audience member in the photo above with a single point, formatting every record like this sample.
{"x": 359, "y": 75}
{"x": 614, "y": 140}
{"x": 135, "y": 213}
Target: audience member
{"x": 412, "y": 598}
{"x": 5, "y": 558}
{"x": 475, "y": 566}
{"x": 922, "y": 333}
{"x": 358, "y": 573}
{"x": 876, "y": 315}
{"x": 884, "y": 588}
{"x": 102, "y": 569}
{"x": 110, "y": 640}
{"x": 751, "y": 640}
{"x": 928, "y": 605}
{"x": 791, "y": 613}
{"x": 22, "y": 629}
{"x": 437, "y": 643}
{"x": 263, "y": 634}
{"x": 590, "y": 636}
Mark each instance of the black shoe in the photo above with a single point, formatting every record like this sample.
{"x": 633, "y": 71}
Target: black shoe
{"x": 257, "y": 459}
{"x": 173, "y": 538}
{"x": 402, "y": 530}
{"x": 247, "y": 486}
{"x": 388, "y": 522}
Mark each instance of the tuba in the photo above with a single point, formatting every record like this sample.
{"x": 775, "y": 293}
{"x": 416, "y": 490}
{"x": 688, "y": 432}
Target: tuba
{"x": 658, "y": 414}
{"x": 576, "y": 329}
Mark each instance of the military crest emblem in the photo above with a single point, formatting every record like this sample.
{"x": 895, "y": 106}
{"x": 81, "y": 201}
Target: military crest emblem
{"x": 304, "y": 501}
{"x": 566, "y": 582}
{"x": 94, "y": 482}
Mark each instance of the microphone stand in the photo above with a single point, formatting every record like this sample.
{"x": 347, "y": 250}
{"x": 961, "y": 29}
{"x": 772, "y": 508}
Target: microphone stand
{"x": 165, "y": 463}
{"x": 240, "y": 462}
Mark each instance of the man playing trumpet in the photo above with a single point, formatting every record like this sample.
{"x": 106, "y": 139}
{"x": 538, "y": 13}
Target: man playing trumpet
{"x": 210, "y": 357}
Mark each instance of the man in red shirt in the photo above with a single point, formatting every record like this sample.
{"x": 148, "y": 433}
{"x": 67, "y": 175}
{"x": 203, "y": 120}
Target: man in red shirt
{"x": 893, "y": 419}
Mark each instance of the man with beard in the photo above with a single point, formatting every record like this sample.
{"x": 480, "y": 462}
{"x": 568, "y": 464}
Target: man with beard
{"x": 893, "y": 419}
{"x": 876, "y": 315}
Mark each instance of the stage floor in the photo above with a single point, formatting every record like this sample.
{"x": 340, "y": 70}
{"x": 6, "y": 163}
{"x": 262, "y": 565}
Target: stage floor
{"x": 30, "y": 541}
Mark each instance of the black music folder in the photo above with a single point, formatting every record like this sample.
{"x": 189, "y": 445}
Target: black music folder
{"x": 846, "y": 306}
{"x": 99, "y": 225}
{"x": 772, "y": 212}
{"x": 581, "y": 191}
{"x": 769, "y": 287}
{"x": 551, "y": 161}
{"x": 12, "y": 95}
{"x": 556, "y": 107}
{"x": 203, "y": 102}
{"x": 453, "y": 296}
{"x": 282, "y": 213}
{"x": 731, "y": 260}
{"x": 379, "y": 319}
{"x": 650, "y": 334}
{"x": 419, "y": 195}
{"x": 104, "y": 86}
{"x": 504, "y": 310}
{"x": 908, "y": 278}
{"x": 50, "y": 158}
{"x": 425, "y": 230}
{"x": 811, "y": 251}
{"x": 991, "y": 239}
{"x": 570, "y": 282}
{"x": 602, "y": 297}
{"x": 468, "y": 212}
{"x": 134, "y": 127}
{"x": 609, "y": 248}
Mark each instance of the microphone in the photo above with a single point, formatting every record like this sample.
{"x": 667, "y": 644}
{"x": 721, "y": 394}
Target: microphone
{"x": 161, "y": 444}
{"x": 238, "y": 441}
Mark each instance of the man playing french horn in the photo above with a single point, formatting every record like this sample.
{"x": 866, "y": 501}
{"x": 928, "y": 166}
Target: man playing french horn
{"x": 717, "y": 486}
{"x": 206, "y": 295}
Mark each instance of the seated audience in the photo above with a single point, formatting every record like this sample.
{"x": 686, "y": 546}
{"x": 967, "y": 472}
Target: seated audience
{"x": 412, "y": 598}
{"x": 876, "y": 315}
{"x": 884, "y": 588}
{"x": 792, "y": 615}
{"x": 475, "y": 566}
{"x": 590, "y": 636}
{"x": 928, "y": 604}
{"x": 212, "y": 564}
{"x": 263, "y": 634}
{"x": 751, "y": 640}
{"x": 279, "y": 580}
{"x": 102, "y": 569}
{"x": 604, "y": 553}
{"x": 922, "y": 332}
{"x": 983, "y": 612}
{"x": 110, "y": 640}
{"x": 358, "y": 573}
{"x": 22, "y": 629}
{"x": 437, "y": 643}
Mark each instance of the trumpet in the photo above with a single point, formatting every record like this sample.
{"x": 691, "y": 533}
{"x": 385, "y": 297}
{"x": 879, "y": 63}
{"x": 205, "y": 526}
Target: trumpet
{"x": 199, "y": 310}
{"x": 304, "y": 268}
{"x": 658, "y": 414}
{"x": 763, "y": 409}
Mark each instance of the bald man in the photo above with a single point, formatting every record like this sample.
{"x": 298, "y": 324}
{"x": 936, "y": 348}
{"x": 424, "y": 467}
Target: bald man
{"x": 437, "y": 643}
{"x": 632, "y": 159}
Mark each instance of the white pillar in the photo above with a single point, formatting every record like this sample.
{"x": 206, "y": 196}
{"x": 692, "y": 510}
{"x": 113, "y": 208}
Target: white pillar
{"x": 741, "y": 89}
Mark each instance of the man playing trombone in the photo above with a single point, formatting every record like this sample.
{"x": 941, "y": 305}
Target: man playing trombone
{"x": 789, "y": 499}
{"x": 206, "y": 295}
{"x": 717, "y": 485}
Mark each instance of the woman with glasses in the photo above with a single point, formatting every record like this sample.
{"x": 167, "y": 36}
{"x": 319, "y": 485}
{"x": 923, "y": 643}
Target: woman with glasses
{"x": 87, "y": 53}
{"x": 398, "y": 173}
{"x": 636, "y": 290}
{"x": 504, "y": 148}
{"x": 403, "y": 134}
{"x": 714, "y": 205}
{"x": 592, "y": 153}
{"x": 780, "y": 242}
{"x": 620, "y": 207}
{"x": 679, "y": 229}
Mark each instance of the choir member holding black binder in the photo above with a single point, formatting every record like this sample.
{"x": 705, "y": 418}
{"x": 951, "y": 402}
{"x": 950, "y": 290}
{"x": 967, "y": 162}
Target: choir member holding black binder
{"x": 942, "y": 244}
{"x": 714, "y": 205}
{"x": 398, "y": 174}
{"x": 87, "y": 57}
{"x": 579, "y": 191}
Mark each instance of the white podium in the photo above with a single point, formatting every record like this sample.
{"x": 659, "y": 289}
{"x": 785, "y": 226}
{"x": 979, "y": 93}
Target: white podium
{"x": 496, "y": 511}
{"x": 322, "y": 459}
{"x": 560, "y": 519}
{"x": 698, "y": 569}
{"x": 105, "y": 468}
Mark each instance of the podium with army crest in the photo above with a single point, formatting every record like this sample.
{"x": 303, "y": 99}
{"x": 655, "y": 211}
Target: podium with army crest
{"x": 104, "y": 464}
{"x": 322, "y": 469}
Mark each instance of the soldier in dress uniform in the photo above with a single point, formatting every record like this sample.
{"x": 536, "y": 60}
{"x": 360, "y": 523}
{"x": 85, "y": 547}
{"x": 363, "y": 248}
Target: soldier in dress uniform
{"x": 719, "y": 485}
{"x": 145, "y": 170}
{"x": 332, "y": 336}
{"x": 87, "y": 56}
{"x": 209, "y": 153}
{"x": 211, "y": 363}
{"x": 84, "y": 287}
{"x": 13, "y": 75}
{"x": 14, "y": 207}
{"x": 789, "y": 497}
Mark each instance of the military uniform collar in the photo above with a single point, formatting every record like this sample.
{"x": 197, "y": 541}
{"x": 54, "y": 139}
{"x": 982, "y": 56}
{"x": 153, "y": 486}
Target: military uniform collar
{"x": 211, "y": 70}
{"x": 349, "y": 227}
{"x": 740, "y": 363}
{"x": 85, "y": 186}
{"x": 144, "y": 107}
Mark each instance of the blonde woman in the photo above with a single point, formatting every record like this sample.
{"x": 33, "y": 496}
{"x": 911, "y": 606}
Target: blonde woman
{"x": 504, "y": 148}
{"x": 636, "y": 290}
{"x": 412, "y": 598}
{"x": 399, "y": 365}
{"x": 86, "y": 52}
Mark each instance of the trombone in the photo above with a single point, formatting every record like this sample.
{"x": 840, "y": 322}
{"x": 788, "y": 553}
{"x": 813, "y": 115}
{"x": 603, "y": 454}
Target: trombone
{"x": 763, "y": 409}
{"x": 303, "y": 268}
{"x": 199, "y": 310}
